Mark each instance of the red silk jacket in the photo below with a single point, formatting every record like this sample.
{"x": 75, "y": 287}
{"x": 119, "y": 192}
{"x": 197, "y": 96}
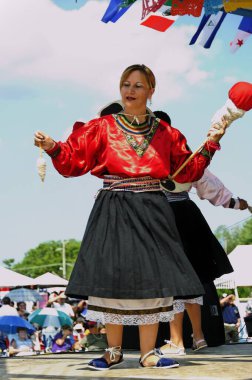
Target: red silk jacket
{"x": 100, "y": 146}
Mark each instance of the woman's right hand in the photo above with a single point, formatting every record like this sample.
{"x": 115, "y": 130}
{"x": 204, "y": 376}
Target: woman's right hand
{"x": 43, "y": 141}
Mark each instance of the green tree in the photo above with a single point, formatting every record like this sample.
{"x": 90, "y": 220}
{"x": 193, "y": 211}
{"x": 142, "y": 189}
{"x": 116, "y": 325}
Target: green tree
{"x": 245, "y": 236}
{"x": 228, "y": 238}
{"x": 47, "y": 257}
{"x": 9, "y": 263}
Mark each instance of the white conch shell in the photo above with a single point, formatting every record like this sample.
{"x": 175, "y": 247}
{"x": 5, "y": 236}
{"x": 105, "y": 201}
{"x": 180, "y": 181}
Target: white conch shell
{"x": 41, "y": 165}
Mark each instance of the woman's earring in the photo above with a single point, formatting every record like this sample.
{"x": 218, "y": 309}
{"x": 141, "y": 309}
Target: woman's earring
{"x": 150, "y": 101}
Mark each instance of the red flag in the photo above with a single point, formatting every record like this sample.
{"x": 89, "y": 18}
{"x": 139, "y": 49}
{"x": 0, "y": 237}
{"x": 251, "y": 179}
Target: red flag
{"x": 159, "y": 23}
{"x": 243, "y": 33}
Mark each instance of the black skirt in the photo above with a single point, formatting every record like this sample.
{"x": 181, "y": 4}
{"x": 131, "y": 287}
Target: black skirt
{"x": 204, "y": 251}
{"x": 132, "y": 250}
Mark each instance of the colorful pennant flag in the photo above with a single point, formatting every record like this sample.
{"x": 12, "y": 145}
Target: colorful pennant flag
{"x": 115, "y": 10}
{"x": 232, "y": 5}
{"x": 159, "y": 22}
{"x": 212, "y": 6}
{"x": 208, "y": 29}
{"x": 151, "y": 6}
{"x": 187, "y": 7}
{"x": 243, "y": 33}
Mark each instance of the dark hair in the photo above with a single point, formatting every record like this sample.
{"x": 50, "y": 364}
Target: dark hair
{"x": 21, "y": 329}
{"x": 111, "y": 108}
{"x": 163, "y": 116}
{"x": 20, "y": 303}
{"x": 6, "y": 301}
{"x": 66, "y": 327}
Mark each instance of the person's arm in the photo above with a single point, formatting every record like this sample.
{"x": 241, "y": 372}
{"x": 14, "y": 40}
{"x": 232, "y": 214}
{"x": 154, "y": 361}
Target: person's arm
{"x": 13, "y": 349}
{"x": 238, "y": 323}
{"x": 61, "y": 340}
{"x": 211, "y": 188}
{"x": 180, "y": 152}
{"x": 79, "y": 154}
{"x": 225, "y": 300}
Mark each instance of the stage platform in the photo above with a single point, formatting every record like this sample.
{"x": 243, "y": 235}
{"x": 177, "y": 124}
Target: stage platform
{"x": 224, "y": 362}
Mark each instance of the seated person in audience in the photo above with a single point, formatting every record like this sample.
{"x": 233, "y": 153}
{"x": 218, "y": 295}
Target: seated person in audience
{"x": 95, "y": 338}
{"x": 231, "y": 318}
{"x": 59, "y": 303}
{"x": 22, "y": 344}
{"x": 7, "y": 307}
{"x": 64, "y": 340}
{"x": 248, "y": 310}
{"x": 48, "y": 333}
{"x": 78, "y": 334}
{"x": 22, "y": 311}
{"x": 3, "y": 343}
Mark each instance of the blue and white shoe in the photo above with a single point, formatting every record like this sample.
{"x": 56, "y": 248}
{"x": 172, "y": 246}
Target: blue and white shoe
{"x": 161, "y": 363}
{"x": 101, "y": 364}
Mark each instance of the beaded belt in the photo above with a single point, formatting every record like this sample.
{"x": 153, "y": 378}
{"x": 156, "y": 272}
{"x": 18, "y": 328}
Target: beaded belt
{"x": 114, "y": 183}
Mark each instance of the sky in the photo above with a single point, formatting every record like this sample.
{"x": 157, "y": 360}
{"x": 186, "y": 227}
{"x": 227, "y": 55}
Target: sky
{"x": 58, "y": 66}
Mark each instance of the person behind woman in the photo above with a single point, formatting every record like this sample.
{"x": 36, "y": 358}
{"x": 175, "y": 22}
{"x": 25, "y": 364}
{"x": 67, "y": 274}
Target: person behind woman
{"x": 205, "y": 253}
{"x": 131, "y": 247}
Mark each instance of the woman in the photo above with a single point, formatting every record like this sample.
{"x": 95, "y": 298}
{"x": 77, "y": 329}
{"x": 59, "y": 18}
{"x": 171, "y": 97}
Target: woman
{"x": 21, "y": 344}
{"x": 131, "y": 247}
{"x": 195, "y": 235}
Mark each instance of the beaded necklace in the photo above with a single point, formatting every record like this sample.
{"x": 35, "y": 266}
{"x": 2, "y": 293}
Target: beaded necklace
{"x": 134, "y": 128}
{"x": 146, "y": 129}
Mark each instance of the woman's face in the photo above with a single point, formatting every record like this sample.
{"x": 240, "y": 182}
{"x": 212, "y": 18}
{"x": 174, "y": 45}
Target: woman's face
{"x": 135, "y": 91}
{"x": 22, "y": 334}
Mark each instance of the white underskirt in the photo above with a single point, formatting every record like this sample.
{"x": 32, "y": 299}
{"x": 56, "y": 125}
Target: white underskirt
{"x": 137, "y": 310}
{"x": 179, "y": 305}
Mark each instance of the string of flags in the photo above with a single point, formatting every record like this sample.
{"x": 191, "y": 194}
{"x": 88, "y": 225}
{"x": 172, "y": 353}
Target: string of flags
{"x": 161, "y": 15}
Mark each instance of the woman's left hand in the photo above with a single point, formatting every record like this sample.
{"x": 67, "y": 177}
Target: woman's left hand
{"x": 217, "y": 131}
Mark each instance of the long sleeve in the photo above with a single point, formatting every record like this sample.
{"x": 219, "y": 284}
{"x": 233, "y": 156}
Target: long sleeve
{"x": 180, "y": 151}
{"x": 79, "y": 154}
{"x": 211, "y": 188}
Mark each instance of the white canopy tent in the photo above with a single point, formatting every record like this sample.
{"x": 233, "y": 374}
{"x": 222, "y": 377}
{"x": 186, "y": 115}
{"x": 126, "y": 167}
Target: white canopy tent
{"x": 11, "y": 279}
{"x": 241, "y": 261}
{"x": 49, "y": 280}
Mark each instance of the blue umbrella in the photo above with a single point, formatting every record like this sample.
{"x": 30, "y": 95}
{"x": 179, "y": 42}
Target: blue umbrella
{"x": 10, "y": 323}
{"x": 49, "y": 316}
{"x": 24, "y": 295}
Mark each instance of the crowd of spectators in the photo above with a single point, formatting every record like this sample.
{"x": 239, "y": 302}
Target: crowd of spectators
{"x": 52, "y": 337}
{"x": 81, "y": 334}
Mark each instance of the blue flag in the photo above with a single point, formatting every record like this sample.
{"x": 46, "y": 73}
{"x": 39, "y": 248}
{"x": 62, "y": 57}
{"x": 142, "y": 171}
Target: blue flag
{"x": 246, "y": 24}
{"x": 208, "y": 29}
{"x": 115, "y": 10}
